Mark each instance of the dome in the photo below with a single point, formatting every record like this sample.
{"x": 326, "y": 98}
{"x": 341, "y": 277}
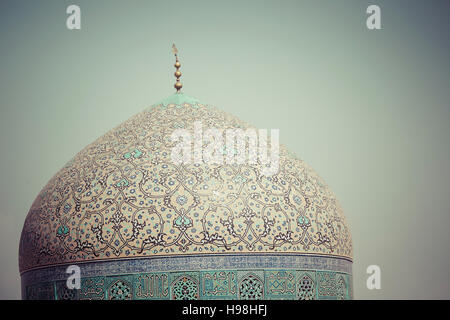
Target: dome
{"x": 141, "y": 227}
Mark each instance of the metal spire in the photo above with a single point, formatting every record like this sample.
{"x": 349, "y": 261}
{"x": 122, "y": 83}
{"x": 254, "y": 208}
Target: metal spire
{"x": 177, "y": 65}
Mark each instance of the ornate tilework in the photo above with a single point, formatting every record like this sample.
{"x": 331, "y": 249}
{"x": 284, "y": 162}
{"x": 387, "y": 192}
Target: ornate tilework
{"x": 306, "y": 286}
{"x": 185, "y": 285}
{"x": 219, "y": 285}
{"x": 64, "y": 293}
{"x": 251, "y": 287}
{"x": 122, "y": 197}
{"x": 342, "y": 288}
{"x": 141, "y": 227}
{"x": 206, "y": 285}
{"x": 327, "y": 286}
{"x": 41, "y": 291}
{"x": 120, "y": 288}
{"x": 280, "y": 284}
{"x": 151, "y": 286}
{"x": 92, "y": 289}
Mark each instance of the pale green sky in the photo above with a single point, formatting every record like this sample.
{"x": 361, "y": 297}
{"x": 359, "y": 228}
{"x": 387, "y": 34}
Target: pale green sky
{"x": 368, "y": 110}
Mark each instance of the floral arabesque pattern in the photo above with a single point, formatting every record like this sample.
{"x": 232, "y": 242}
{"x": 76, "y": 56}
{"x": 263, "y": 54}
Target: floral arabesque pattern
{"x": 122, "y": 197}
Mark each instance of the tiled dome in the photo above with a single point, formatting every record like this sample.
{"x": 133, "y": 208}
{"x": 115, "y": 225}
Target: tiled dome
{"x": 127, "y": 215}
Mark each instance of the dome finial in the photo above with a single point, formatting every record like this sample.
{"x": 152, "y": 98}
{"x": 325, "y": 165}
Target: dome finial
{"x": 177, "y": 65}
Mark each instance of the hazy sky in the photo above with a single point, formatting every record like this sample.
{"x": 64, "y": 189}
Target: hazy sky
{"x": 369, "y": 110}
